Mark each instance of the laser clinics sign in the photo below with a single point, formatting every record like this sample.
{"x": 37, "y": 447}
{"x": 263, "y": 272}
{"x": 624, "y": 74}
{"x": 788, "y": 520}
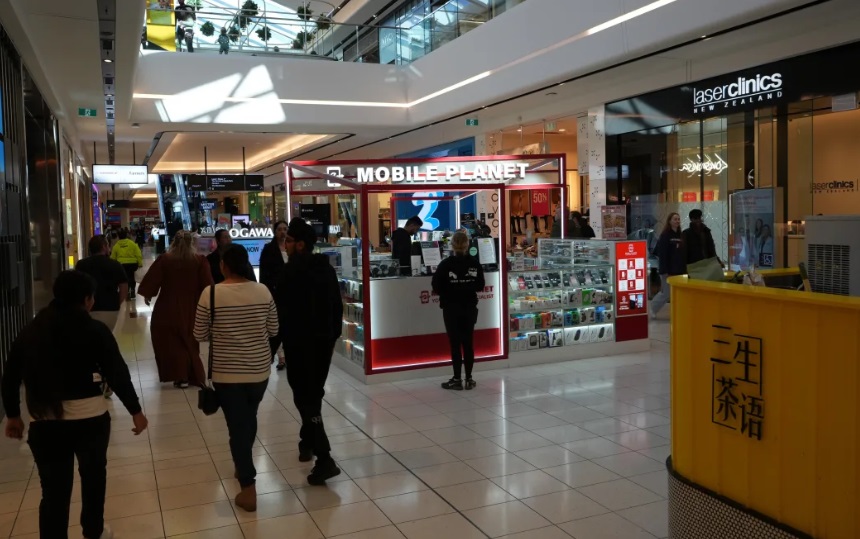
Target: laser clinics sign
{"x": 739, "y": 92}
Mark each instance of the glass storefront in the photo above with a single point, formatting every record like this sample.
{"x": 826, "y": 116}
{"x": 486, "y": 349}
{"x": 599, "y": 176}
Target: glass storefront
{"x": 783, "y": 148}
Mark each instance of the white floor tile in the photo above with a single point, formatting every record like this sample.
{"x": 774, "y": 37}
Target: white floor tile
{"x": 653, "y": 518}
{"x": 198, "y": 517}
{"x": 449, "y": 526}
{"x": 476, "y": 494}
{"x": 530, "y": 484}
{"x": 579, "y": 474}
{"x": 499, "y": 465}
{"x": 506, "y": 518}
{"x": 413, "y": 506}
{"x": 349, "y": 518}
{"x": 619, "y": 494}
{"x": 627, "y": 464}
{"x": 390, "y": 484}
{"x": 608, "y": 526}
{"x": 450, "y": 473}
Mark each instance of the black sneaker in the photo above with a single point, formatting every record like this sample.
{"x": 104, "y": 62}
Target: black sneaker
{"x": 453, "y": 383}
{"x": 470, "y": 384}
{"x": 322, "y": 472}
{"x": 305, "y": 455}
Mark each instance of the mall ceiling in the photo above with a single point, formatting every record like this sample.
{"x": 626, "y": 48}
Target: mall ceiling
{"x": 61, "y": 39}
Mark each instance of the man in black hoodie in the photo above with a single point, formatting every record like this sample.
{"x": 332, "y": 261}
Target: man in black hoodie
{"x": 311, "y": 313}
{"x": 697, "y": 240}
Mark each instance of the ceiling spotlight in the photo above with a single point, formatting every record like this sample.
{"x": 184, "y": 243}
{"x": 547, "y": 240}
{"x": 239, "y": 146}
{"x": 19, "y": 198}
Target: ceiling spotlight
{"x": 108, "y": 60}
{"x": 562, "y": 130}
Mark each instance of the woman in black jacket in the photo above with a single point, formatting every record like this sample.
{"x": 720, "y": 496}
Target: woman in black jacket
{"x": 670, "y": 252}
{"x": 273, "y": 258}
{"x": 457, "y": 281}
{"x": 62, "y": 357}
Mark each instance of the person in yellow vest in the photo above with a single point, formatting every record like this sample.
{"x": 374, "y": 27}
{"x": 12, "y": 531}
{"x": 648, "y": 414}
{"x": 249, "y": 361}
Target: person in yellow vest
{"x": 127, "y": 253}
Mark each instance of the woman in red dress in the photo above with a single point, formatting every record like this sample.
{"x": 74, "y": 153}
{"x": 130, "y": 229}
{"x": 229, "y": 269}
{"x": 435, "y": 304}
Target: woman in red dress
{"x": 177, "y": 278}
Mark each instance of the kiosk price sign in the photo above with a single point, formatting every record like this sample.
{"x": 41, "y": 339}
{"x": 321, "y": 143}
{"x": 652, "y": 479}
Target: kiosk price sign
{"x": 630, "y": 263}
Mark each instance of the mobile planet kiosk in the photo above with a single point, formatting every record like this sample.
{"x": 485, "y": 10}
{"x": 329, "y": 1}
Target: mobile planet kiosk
{"x": 392, "y": 320}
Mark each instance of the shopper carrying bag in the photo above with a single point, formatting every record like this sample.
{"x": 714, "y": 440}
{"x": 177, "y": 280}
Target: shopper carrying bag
{"x": 239, "y": 359}
{"x": 207, "y": 398}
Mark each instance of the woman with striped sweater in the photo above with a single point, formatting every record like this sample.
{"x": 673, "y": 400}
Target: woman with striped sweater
{"x": 245, "y": 319}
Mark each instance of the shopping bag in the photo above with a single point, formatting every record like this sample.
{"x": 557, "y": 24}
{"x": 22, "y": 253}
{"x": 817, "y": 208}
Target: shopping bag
{"x": 708, "y": 269}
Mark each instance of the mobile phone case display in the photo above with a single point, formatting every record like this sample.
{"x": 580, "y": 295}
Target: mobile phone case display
{"x": 569, "y": 300}
{"x": 351, "y": 344}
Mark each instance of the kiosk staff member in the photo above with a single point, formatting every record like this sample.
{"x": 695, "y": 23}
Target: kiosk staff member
{"x": 401, "y": 243}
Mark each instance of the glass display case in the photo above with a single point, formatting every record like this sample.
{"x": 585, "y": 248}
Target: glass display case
{"x": 567, "y": 299}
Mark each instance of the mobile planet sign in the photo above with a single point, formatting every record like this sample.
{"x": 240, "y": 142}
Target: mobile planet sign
{"x": 744, "y": 91}
{"x": 430, "y": 174}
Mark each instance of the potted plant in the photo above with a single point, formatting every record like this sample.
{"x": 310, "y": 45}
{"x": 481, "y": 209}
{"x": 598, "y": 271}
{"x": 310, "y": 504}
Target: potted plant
{"x": 302, "y": 39}
{"x": 207, "y": 29}
{"x": 249, "y": 11}
{"x": 324, "y": 22}
{"x": 264, "y": 33}
{"x": 234, "y": 33}
{"x": 304, "y": 12}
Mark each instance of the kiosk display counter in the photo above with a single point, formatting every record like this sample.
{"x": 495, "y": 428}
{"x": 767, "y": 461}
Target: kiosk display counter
{"x": 392, "y": 320}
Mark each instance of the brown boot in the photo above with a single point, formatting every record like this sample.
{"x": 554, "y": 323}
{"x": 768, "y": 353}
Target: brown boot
{"x": 247, "y": 499}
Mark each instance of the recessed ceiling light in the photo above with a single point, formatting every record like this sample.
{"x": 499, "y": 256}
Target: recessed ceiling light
{"x": 562, "y": 130}
{"x": 108, "y": 60}
{"x": 520, "y": 130}
{"x": 703, "y": 37}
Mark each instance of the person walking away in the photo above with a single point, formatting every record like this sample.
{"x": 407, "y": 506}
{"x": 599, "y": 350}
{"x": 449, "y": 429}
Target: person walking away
{"x": 127, "y": 253}
{"x": 697, "y": 240}
{"x": 401, "y": 243}
{"x": 222, "y": 242}
{"x": 245, "y": 319}
{"x": 62, "y": 357}
{"x": 111, "y": 281}
{"x": 177, "y": 278}
{"x": 310, "y": 313}
{"x": 273, "y": 258}
{"x": 457, "y": 281}
{"x": 223, "y": 42}
{"x": 670, "y": 252}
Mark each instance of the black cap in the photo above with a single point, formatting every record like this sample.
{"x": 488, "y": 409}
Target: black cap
{"x": 300, "y": 230}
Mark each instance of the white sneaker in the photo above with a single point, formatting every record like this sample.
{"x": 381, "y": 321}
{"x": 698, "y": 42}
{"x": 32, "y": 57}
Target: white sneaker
{"x": 107, "y": 533}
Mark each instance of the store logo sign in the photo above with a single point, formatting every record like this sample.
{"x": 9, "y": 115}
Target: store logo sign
{"x": 237, "y": 233}
{"x": 479, "y": 173}
{"x": 846, "y": 186}
{"x": 707, "y": 165}
{"x": 743, "y": 91}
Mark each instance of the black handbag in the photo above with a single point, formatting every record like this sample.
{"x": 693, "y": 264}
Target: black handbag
{"x": 207, "y": 397}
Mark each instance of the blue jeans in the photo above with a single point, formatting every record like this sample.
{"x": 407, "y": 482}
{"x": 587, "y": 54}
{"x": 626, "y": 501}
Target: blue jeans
{"x": 240, "y": 403}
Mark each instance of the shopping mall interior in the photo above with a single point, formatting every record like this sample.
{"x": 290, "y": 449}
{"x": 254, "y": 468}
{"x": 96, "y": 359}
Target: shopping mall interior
{"x": 634, "y": 380}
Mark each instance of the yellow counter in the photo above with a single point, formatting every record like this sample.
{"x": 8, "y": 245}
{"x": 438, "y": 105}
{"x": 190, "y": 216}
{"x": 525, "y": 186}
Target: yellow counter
{"x": 782, "y": 366}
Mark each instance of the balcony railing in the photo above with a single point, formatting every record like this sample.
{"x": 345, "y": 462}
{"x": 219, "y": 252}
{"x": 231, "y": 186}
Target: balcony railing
{"x": 265, "y": 27}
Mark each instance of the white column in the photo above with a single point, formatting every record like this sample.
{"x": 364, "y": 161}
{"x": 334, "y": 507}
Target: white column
{"x": 591, "y": 143}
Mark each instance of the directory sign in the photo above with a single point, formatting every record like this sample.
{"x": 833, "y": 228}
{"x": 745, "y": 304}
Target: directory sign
{"x": 224, "y": 182}
{"x": 630, "y": 263}
{"x": 120, "y": 174}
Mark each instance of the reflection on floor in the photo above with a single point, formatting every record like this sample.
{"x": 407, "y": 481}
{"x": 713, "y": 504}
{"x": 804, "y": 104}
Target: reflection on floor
{"x": 573, "y": 449}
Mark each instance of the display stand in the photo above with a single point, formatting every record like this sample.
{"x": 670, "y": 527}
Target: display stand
{"x": 392, "y": 322}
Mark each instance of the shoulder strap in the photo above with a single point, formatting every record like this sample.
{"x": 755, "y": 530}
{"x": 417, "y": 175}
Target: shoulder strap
{"x": 211, "y": 327}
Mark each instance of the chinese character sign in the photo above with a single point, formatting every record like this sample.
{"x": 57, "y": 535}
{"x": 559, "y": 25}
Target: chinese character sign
{"x": 737, "y": 397}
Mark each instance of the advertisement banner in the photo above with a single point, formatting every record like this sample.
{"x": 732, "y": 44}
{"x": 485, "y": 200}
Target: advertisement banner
{"x": 752, "y": 240}
{"x": 540, "y": 202}
{"x": 614, "y": 220}
{"x": 631, "y": 276}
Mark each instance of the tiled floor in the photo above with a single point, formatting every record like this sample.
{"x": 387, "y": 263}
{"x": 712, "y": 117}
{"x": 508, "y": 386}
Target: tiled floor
{"x": 573, "y": 449}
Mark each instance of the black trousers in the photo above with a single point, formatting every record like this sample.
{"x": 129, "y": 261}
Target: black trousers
{"x": 129, "y": 274}
{"x": 460, "y": 326}
{"x": 55, "y": 444}
{"x": 307, "y": 370}
{"x": 240, "y": 403}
